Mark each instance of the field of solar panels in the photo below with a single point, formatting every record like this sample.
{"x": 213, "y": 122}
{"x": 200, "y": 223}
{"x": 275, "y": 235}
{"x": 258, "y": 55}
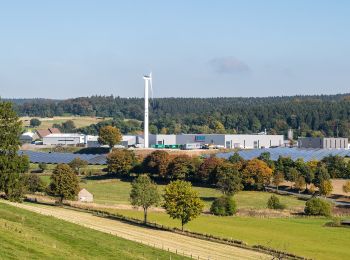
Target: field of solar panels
{"x": 293, "y": 153}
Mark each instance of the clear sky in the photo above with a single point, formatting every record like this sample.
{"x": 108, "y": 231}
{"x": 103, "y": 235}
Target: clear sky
{"x": 71, "y": 48}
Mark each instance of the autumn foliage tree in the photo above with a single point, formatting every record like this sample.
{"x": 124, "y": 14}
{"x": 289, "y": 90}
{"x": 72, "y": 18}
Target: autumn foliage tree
{"x": 256, "y": 174}
{"x": 120, "y": 161}
{"x": 207, "y": 170}
{"x": 346, "y": 187}
{"x": 157, "y": 163}
{"x": 110, "y": 136}
{"x": 181, "y": 167}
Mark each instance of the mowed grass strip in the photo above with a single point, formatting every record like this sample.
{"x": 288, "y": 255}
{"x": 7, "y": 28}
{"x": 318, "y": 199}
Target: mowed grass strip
{"x": 115, "y": 191}
{"x": 27, "y": 235}
{"x": 302, "y": 236}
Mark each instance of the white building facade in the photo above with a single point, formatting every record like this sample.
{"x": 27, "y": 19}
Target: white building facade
{"x": 64, "y": 139}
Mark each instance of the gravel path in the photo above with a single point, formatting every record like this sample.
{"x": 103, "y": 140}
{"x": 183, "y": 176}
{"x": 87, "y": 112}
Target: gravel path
{"x": 197, "y": 248}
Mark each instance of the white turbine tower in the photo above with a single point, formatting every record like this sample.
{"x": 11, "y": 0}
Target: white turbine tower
{"x": 148, "y": 83}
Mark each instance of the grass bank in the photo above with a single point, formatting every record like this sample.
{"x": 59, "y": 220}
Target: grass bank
{"x": 27, "y": 235}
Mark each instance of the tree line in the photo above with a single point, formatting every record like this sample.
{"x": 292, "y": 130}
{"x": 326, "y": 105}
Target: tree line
{"x": 326, "y": 115}
{"x": 233, "y": 174}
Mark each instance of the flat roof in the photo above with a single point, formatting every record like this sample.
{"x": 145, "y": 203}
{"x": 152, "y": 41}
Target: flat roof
{"x": 65, "y": 135}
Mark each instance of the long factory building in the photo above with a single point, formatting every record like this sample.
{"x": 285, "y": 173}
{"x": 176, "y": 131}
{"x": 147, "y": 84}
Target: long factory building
{"x": 243, "y": 141}
{"x": 187, "y": 141}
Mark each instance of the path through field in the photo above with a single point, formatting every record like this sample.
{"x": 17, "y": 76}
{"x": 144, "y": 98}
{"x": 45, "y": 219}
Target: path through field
{"x": 197, "y": 248}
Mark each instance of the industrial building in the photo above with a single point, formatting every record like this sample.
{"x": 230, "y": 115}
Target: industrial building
{"x": 220, "y": 140}
{"x": 323, "y": 142}
{"x": 64, "y": 139}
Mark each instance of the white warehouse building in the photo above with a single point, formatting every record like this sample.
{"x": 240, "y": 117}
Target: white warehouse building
{"x": 64, "y": 139}
{"x": 243, "y": 141}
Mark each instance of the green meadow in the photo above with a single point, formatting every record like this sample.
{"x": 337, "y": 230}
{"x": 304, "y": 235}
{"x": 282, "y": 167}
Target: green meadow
{"x": 27, "y": 235}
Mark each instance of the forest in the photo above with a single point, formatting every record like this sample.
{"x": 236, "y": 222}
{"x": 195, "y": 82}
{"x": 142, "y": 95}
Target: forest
{"x": 318, "y": 115}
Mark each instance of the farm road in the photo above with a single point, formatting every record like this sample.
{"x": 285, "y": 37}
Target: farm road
{"x": 199, "y": 249}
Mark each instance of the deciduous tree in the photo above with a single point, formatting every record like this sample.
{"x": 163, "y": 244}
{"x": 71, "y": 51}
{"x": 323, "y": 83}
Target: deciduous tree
{"x": 256, "y": 174}
{"x": 181, "y": 167}
{"x": 110, "y": 136}
{"x": 34, "y": 122}
{"x": 157, "y": 163}
{"x": 277, "y": 178}
{"x": 64, "y": 182}
{"x": 207, "y": 170}
{"x": 12, "y": 165}
{"x": 346, "y": 187}
{"x": 144, "y": 193}
{"x": 182, "y": 202}
{"x": 229, "y": 179}
{"x": 120, "y": 161}
{"x": 77, "y": 164}
{"x": 325, "y": 188}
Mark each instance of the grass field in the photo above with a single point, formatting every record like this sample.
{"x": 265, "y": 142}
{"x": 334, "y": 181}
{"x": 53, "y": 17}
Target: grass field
{"x": 27, "y": 235}
{"x": 79, "y": 121}
{"x": 303, "y": 236}
{"x": 115, "y": 191}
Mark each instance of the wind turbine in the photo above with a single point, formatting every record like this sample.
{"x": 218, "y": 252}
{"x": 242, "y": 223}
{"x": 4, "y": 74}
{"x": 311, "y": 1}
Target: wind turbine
{"x": 148, "y": 83}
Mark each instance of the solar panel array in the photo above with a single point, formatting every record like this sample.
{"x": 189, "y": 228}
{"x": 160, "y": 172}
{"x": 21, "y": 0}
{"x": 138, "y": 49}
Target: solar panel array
{"x": 53, "y": 157}
{"x": 293, "y": 153}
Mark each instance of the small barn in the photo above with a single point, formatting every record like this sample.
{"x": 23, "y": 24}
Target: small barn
{"x": 85, "y": 196}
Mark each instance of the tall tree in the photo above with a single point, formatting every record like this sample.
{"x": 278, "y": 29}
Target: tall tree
{"x": 12, "y": 165}
{"x": 120, "y": 161}
{"x": 64, "y": 182}
{"x": 182, "y": 202}
{"x": 326, "y": 188}
{"x": 110, "y": 136}
{"x": 256, "y": 174}
{"x": 144, "y": 193}
{"x": 157, "y": 163}
{"x": 181, "y": 167}
{"x": 207, "y": 170}
{"x": 277, "y": 178}
{"x": 229, "y": 179}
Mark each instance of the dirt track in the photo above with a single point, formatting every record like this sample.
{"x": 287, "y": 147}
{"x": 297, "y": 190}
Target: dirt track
{"x": 197, "y": 248}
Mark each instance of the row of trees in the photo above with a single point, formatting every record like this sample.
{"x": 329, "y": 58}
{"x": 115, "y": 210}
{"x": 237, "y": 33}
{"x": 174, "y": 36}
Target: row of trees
{"x": 309, "y": 115}
{"x": 234, "y": 174}
{"x": 179, "y": 199}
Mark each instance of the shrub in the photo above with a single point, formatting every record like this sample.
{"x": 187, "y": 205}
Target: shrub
{"x": 317, "y": 207}
{"x": 42, "y": 166}
{"x": 223, "y": 206}
{"x": 274, "y": 203}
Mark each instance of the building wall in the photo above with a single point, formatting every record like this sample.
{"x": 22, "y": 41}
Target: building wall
{"x": 340, "y": 143}
{"x": 217, "y": 139}
{"x": 57, "y": 140}
{"x": 163, "y": 139}
{"x": 323, "y": 143}
{"x": 233, "y": 141}
{"x": 253, "y": 141}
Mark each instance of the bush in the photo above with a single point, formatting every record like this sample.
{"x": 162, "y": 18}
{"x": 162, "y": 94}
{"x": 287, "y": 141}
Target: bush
{"x": 223, "y": 206}
{"x": 42, "y": 166}
{"x": 317, "y": 207}
{"x": 274, "y": 203}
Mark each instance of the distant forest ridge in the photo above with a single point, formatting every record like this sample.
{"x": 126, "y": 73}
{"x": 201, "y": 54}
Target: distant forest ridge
{"x": 315, "y": 115}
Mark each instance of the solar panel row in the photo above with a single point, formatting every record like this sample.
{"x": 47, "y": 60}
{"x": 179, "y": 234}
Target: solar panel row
{"x": 41, "y": 157}
{"x": 293, "y": 153}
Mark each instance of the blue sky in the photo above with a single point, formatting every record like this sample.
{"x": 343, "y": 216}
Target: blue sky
{"x": 61, "y": 49}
